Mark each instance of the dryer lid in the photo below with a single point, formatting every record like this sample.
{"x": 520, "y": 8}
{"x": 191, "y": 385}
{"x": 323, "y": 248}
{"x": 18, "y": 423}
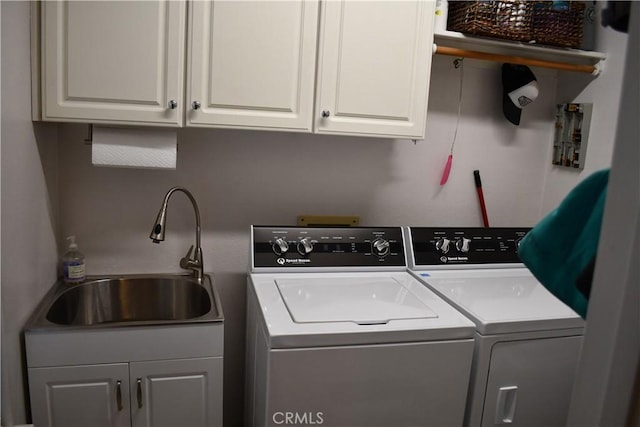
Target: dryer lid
{"x": 503, "y": 300}
{"x": 364, "y": 301}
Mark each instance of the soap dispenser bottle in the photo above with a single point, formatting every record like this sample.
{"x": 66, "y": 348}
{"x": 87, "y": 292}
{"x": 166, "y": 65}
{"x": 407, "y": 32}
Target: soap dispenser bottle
{"x": 73, "y": 263}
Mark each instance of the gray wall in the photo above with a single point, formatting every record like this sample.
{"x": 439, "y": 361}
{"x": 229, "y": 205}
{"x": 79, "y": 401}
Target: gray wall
{"x": 609, "y": 368}
{"x": 241, "y": 178}
{"x": 29, "y": 204}
{"x": 604, "y": 93}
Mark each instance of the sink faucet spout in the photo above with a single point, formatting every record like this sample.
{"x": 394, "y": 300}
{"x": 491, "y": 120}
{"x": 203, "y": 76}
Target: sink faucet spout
{"x": 157, "y": 234}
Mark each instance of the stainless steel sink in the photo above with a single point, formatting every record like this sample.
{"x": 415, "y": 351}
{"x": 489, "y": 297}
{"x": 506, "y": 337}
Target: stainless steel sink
{"x": 129, "y": 300}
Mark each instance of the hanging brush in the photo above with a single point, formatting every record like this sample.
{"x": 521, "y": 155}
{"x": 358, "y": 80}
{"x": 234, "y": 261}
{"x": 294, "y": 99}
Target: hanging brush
{"x": 458, "y": 63}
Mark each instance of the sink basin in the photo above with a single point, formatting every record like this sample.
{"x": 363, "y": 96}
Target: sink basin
{"x": 129, "y": 300}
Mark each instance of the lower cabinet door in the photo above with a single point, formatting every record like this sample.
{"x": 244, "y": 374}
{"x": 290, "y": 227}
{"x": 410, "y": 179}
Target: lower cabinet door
{"x": 80, "y": 396}
{"x": 172, "y": 393}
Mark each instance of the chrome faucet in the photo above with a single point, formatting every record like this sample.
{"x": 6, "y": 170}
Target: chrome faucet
{"x": 157, "y": 235}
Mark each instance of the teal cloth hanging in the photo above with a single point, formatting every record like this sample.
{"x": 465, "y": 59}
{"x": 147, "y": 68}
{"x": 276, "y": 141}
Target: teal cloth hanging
{"x": 563, "y": 245}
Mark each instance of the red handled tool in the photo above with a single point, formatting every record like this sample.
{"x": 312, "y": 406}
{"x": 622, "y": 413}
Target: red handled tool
{"x": 447, "y": 169}
{"x": 483, "y": 208}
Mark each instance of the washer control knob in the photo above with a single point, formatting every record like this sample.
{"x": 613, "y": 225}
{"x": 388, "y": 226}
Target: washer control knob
{"x": 304, "y": 246}
{"x": 442, "y": 245}
{"x": 462, "y": 244}
{"x": 381, "y": 247}
{"x": 280, "y": 246}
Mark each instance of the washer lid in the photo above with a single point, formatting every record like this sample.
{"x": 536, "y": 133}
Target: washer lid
{"x": 365, "y": 301}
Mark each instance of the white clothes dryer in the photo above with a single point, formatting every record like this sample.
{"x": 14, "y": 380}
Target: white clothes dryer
{"x": 340, "y": 334}
{"x": 527, "y": 341}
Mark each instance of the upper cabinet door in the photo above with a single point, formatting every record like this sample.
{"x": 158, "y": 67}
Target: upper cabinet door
{"x": 252, "y": 64}
{"x": 117, "y": 62}
{"x": 374, "y": 66}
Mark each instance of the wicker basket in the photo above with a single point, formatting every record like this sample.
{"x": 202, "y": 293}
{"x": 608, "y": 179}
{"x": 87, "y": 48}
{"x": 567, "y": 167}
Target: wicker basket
{"x": 509, "y": 19}
{"x": 543, "y": 22}
{"x": 558, "y": 26}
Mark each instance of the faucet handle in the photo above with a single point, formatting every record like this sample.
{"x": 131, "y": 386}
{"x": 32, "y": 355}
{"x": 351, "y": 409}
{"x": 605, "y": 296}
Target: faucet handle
{"x": 186, "y": 262}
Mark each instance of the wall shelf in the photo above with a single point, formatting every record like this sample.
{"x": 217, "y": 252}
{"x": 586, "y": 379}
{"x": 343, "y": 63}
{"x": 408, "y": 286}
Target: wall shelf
{"x": 458, "y": 44}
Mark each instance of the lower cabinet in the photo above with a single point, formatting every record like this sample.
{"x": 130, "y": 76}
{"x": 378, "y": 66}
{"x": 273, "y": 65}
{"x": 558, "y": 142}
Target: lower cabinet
{"x": 165, "y": 393}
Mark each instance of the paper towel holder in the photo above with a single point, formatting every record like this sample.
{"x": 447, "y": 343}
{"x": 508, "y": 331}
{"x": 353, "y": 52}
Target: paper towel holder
{"x": 89, "y": 139}
{"x": 132, "y": 146}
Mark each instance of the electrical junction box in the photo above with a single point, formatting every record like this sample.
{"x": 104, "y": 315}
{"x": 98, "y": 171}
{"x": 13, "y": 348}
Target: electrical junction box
{"x": 571, "y": 135}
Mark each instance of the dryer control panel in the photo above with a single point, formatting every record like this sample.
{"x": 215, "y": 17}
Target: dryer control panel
{"x": 300, "y": 247}
{"x": 471, "y": 245}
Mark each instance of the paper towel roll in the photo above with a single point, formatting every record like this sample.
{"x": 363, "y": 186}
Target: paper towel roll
{"x": 147, "y": 148}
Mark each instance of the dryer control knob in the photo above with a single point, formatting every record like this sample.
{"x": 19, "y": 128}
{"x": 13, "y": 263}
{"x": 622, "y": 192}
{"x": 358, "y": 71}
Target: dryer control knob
{"x": 304, "y": 246}
{"x": 463, "y": 244}
{"x": 381, "y": 247}
{"x": 442, "y": 245}
{"x": 518, "y": 243}
{"x": 280, "y": 246}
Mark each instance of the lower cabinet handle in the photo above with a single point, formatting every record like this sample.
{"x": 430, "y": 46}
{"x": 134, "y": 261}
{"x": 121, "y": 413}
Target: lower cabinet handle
{"x": 139, "y": 392}
{"x": 119, "y": 395}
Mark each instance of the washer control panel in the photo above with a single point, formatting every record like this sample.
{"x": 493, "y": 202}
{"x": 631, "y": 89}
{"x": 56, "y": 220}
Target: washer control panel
{"x": 298, "y": 247}
{"x": 471, "y": 245}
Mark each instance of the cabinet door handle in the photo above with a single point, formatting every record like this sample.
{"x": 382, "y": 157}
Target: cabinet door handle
{"x": 173, "y": 104}
{"x": 139, "y": 392}
{"x": 119, "y": 395}
{"x": 195, "y": 105}
{"x": 325, "y": 113}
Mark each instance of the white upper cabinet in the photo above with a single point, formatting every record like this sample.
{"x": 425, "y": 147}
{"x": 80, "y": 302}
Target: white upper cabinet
{"x": 268, "y": 64}
{"x": 251, "y": 64}
{"x": 113, "y": 61}
{"x": 374, "y": 64}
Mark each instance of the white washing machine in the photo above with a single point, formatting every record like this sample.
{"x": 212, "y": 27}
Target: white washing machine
{"x": 340, "y": 334}
{"x": 527, "y": 342}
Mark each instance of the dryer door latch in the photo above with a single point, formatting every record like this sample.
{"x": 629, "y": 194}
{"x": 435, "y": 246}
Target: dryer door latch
{"x": 506, "y": 404}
